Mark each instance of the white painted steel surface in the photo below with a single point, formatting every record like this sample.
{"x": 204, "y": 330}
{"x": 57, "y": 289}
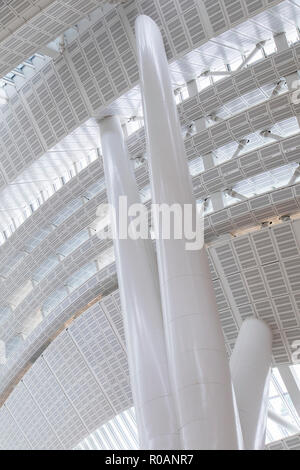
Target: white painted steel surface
{"x": 140, "y": 298}
{"x": 250, "y": 365}
{"x": 195, "y": 344}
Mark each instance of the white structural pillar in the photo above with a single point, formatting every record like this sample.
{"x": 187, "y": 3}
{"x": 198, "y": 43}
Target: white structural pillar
{"x": 250, "y": 365}
{"x": 196, "y": 349}
{"x": 141, "y": 304}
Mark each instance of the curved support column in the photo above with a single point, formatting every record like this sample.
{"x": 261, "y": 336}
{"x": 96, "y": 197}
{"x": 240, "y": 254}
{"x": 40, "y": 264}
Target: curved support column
{"x": 195, "y": 343}
{"x": 141, "y": 304}
{"x": 250, "y": 365}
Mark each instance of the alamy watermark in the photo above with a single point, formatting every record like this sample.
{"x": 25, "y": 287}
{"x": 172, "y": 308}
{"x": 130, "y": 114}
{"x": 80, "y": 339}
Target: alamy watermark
{"x": 167, "y": 222}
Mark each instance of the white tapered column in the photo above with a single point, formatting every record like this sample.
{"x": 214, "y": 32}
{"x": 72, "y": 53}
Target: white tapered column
{"x": 250, "y": 365}
{"x": 140, "y": 298}
{"x": 195, "y": 343}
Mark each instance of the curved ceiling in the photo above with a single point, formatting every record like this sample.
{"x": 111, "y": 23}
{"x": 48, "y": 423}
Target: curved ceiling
{"x": 47, "y": 129}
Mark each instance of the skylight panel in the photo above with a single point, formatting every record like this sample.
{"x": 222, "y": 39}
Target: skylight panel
{"x": 55, "y": 298}
{"x": 118, "y": 434}
{"x": 22, "y": 291}
{"x": 255, "y": 97}
{"x": 128, "y": 430}
{"x": 94, "y": 189}
{"x": 126, "y": 435}
{"x": 196, "y": 166}
{"x": 44, "y": 268}
{"x": 6, "y": 268}
{"x": 225, "y": 153}
{"x": 16, "y": 78}
{"x": 106, "y": 258}
{"x": 286, "y": 127}
{"x": 67, "y": 211}
{"x": 235, "y": 63}
{"x": 101, "y": 442}
{"x": 73, "y": 243}
{"x": 5, "y": 312}
{"x": 280, "y": 403}
{"x": 224, "y": 112}
{"x": 80, "y": 276}
{"x": 37, "y": 238}
{"x": 12, "y": 344}
{"x": 265, "y": 182}
{"x": 37, "y": 183}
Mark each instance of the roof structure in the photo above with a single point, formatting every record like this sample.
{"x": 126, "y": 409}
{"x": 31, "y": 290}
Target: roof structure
{"x": 234, "y": 67}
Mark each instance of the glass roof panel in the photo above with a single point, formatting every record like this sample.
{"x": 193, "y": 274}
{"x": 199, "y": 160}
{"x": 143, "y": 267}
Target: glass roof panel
{"x": 121, "y": 432}
{"x": 118, "y": 434}
{"x": 72, "y": 243}
{"x": 66, "y": 211}
{"x": 45, "y": 176}
{"x": 55, "y": 298}
{"x": 280, "y": 402}
{"x": 44, "y": 268}
{"x": 80, "y": 276}
{"x": 267, "y": 181}
{"x": 296, "y": 373}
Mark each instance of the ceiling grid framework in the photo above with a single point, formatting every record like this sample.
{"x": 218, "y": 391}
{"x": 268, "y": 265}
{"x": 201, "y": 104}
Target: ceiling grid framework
{"x": 101, "y": 438}
{"x": 108, "y": 280}
{"x": 78, "y": 186}
{"x": 217, "y": 224}
{"x": 263, "y": 286}
{"x": 60, "y": 406}
{"x": 72, "y": 387}
{"x": 88, "y": 251}
{"x": 279, "y": 308}
{"x": 106, "y": 46}
{"x": 27, "y": 25}
{"x": 290, "y": 443}
{"x": 139, "y": 137}
{"x": 21, "y": 264}
{"x": 218, "y": 178}
{"x": 287, "y": 151}
{"x": 136, "y": 142}
{"x": 259, "y": 117}
{"x": 101, "y": 283}
{"x": 83, "y": 371}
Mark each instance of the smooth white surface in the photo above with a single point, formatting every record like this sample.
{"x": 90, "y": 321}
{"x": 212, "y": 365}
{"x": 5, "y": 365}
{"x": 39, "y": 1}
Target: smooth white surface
{"x": 195, "y": 343}
{"x": 250, "y": 365}
{"x": 140, "y": 298}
